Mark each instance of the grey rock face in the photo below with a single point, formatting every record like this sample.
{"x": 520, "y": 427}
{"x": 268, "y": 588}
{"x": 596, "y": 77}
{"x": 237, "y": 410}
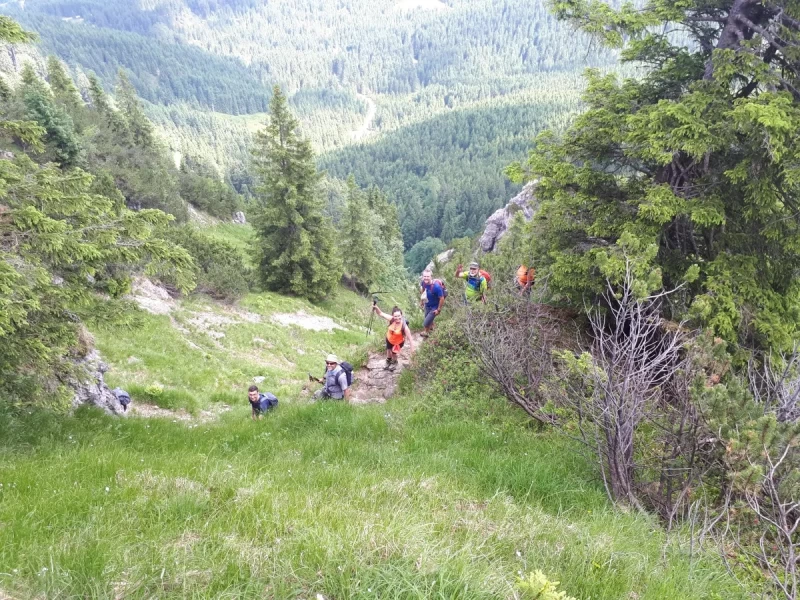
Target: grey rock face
{"x": 441, "y": 259}
{"x": 239, "y": 218}
{"x": 89, "y": 386}
{"x": 497, "y": 224}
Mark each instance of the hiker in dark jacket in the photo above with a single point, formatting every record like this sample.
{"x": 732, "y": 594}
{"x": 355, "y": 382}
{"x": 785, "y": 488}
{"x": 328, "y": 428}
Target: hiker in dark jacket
{"x": 260, "y": 403}
{"x": 123, "y": 397}
{"x": 334, "y": 382}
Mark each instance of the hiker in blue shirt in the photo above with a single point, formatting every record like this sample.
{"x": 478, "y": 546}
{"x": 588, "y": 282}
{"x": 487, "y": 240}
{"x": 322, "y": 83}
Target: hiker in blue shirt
{"x": 435, "y": 300}
{"x": 260, "y": 403}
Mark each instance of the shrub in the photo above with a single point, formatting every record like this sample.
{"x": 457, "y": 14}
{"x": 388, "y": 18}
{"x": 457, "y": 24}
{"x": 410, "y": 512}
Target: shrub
{"x": 538, "y": 587}
{"x": 221, "y": 269}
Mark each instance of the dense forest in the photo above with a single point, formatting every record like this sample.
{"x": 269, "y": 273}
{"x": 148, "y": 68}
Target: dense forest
{"x": 445, "y": 173}
{"x": 496, "y": 70}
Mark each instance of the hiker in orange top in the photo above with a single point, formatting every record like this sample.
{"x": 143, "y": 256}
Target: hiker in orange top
{"x": 525, "y": 278}
{"x": 396, "y": 335}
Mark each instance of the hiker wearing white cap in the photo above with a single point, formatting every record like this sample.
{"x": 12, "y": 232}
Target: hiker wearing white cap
{"x": 335, "y": 381}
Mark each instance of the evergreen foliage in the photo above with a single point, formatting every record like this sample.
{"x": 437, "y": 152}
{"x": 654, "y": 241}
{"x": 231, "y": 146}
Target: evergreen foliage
{"x": 202, "y": 189}
{"x": 693, "y": 168}
{"x": 296, "y": 251}
{"x": 65, "y": 235}
{"x": 62, "y": 86}
{"x": 358, "y": 236}
{"x": 422, "y": 253}
{"x": 220, "y": 268}
{"x": 61, "y": 141}
{"x": 445, "y": 173}
{"x": 202, "y": 67}
{"x": 59, "y": 243}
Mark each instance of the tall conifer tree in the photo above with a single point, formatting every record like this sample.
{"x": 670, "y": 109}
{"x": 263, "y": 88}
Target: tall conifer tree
{"x": 360, "y": 260}
{"x": 61, "y": 141}
{"x": 61, "y": 85}
{"x": 295, "y": 251}
{"x": 139, "y": 127}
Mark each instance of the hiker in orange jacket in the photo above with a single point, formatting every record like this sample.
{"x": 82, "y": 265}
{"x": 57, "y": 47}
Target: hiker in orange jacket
{"x": 396, "y": 335}
{"x": 525, "y": 278}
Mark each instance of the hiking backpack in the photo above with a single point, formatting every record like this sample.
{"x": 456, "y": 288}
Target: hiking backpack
{"x": 440, "y": 282}
{"x": 487, "y": 277}
{"x": 348, "y": 372}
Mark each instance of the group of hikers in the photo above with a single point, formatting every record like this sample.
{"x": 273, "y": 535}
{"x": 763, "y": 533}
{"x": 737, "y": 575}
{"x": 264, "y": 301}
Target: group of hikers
{"x": 339, "y": 375}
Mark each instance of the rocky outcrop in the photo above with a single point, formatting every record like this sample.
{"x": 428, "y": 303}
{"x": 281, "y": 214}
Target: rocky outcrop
{"x": 441, "y": 259}
{"x": 239, "y": 218}
{"x": 497, "y": 224}
{"x": 89, "y": 385}
{"x": 151, "y": 297}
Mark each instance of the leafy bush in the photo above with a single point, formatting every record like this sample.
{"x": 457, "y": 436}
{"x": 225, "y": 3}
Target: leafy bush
{"x": 221, "y": 269}
{"x": 538, "y": 587}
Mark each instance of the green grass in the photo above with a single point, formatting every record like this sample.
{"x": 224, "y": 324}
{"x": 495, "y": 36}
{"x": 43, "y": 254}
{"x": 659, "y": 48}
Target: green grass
{"x": 424, "y": 497}
{"x": 240, "y": 236}
{"x": 389, "y": 501}
{"x": 182, "y": 353}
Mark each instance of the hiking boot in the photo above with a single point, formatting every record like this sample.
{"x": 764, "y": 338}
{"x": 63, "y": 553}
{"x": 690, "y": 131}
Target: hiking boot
{"x": 424, "y": 334}
{"x": 388, "y": 366}
{"x": 392, "y": 365}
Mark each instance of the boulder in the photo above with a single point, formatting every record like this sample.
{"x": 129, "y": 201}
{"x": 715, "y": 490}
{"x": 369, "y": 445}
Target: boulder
{"x": 151, "y": 297}
{"x": 239, "y": 218}
{"x": 498, "y": 223}
{"x": 89, "y": 386}
{"x": 441, "y": 259}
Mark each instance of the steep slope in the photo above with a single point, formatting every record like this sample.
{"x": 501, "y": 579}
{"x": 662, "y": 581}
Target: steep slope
{"x": 431, "y": 494}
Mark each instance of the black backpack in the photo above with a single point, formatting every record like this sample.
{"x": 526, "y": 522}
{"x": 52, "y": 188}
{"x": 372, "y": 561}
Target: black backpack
{"x": 348, "y": 372}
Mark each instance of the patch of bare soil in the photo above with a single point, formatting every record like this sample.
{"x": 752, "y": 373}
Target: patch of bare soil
{"x": 306, "y": 321}
{"x": 373, "y": 384}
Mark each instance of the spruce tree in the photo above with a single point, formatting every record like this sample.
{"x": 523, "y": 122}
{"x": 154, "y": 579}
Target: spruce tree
{"x": 98, "y": 95}
{"x": 358, "y": 239}
{"x": 64, "y": 90}
{"x": 693, "y": 167}
{"x": 139, "y": 127}
{"x": 61, "y": 140}
{"x": 295, "y": 244}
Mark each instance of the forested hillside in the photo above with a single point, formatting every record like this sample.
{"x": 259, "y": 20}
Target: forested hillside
{"x": 498, "y": 69}
{"x": 445, "y": 172}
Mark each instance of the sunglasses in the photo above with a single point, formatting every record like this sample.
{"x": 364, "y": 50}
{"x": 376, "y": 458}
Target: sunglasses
{"x": 329, "y": 363}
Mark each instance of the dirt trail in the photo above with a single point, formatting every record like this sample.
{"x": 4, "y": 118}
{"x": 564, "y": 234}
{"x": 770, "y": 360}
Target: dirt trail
{"x": 374, "y": 385}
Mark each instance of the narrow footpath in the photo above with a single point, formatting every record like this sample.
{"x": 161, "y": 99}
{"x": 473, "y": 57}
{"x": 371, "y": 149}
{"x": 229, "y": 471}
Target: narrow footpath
{"x": 372, "y": 384}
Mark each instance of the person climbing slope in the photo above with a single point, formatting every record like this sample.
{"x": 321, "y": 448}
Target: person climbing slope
{"x": 260, "y": 403}
{"x": 475, "y": 288}
{"x": 396, "y": 335}
{"x": 525, "y": 278}
{"x": 435, "y": 295}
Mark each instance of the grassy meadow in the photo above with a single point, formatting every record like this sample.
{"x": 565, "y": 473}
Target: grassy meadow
{"x": 427, "y": 496}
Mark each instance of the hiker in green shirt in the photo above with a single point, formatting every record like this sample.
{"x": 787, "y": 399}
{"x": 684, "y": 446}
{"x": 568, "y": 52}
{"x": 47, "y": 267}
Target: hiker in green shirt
{"x": 475, "y": 288}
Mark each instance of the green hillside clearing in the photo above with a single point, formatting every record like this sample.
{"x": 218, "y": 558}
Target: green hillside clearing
{"x": 422, "y": 497}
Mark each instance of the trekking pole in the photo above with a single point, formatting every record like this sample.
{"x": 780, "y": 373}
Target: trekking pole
{"x": 372, "y": 314}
